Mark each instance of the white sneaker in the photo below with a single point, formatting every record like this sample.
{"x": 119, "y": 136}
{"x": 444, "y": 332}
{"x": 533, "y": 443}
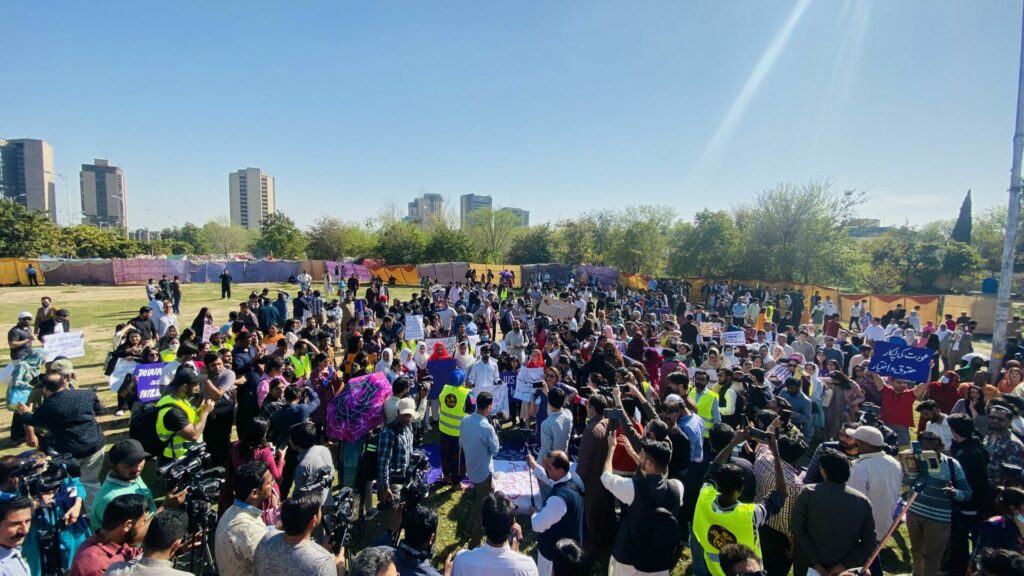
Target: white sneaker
{"x": 119, "y": 413}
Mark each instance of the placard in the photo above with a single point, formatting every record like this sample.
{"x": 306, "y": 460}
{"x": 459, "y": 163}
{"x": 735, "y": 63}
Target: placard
{"x": 67, "y": 344}
{"x": 525, "y": 380}
{"x": 737, "y": 338}
{"x": 121, "y": 369}
{"x": 707, "y": 329}
{"x": 147, "y": 381}
{"x": 513, "y": 479}
{"x": 448, "y": 343}
{"x": 414, "y": 327}
{"x": 903, "y": 362}
{"x": 441, "y": 372}
{"x": 557, "y": 309}
{"x": 208, "y": 330}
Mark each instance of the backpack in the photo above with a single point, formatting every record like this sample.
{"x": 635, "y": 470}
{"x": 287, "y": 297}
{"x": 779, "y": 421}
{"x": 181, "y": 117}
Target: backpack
{"x": 656, "y": 541}
{"x": 143, "y": 428}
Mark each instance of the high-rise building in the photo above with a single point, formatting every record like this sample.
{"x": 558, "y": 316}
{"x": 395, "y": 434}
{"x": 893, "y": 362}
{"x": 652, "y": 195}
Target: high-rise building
{"x": 425, "y": 209}
{"x": 252, "y": 197}
{"x": 469, "y": 203}
{"x": 26, "y": 175}
{"x": 523, "y": 216}
{"x": 104, "y": 198}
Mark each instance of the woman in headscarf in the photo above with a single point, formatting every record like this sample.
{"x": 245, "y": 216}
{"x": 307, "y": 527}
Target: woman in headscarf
{"x": 973, "y": 405}
{"x": 384, "y": 364}
{"x": 408, "y": 364}
{"x": 199, "y": 324}
{"x": 420, "y": 358}
{"x": 842, "y": 398}
{"x": 439, "y": 353}
{"x": 536, "y": 360}
{"x": 635, "y": 347}
{"x": 18, "y": 392}
{"x": 463, "y": 358}
{"x": 652, "y": 363}
{"x": 1011, "y": 380}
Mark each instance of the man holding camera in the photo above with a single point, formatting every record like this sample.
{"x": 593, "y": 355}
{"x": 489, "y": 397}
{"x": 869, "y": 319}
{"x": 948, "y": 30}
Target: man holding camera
{"x": 293, "y": 551}
{"x": 127, "y": 460}
{"x": 178, "y": 424}
{"x": 241, "y": 528}
{"x": 412, "y": 556}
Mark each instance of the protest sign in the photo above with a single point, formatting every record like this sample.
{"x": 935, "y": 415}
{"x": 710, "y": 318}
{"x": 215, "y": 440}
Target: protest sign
{"x": 413, "y": 328}
{"x": 525, "y": 380}
{"x": 147, "y": 381}
{"x": 509, "y": 378}
{"x": 67, "y": 344}
{"x": 208, "y": 330}
{"x": 707, "y": 329}
{"x": 440, "y": 303}
{"x": 557, "y": 309}
{"x": 512, "y": 479}
{"x": 122, "y": 369}
{"x": 737, "y": 338}
{"x": 500, "y": 393}
{"x": 441, "y": 372}
{"x": 448, "y": 343}
{"x": 903, "y": 362}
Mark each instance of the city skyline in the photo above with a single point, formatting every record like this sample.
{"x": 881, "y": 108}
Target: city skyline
{"x": 558, "y": 110}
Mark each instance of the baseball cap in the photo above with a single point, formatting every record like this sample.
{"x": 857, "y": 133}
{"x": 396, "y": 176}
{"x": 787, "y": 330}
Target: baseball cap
{"x": 25, "y": 314}
{"x": 63, "y": 366}
{"x": 406, "y": 406}
{"x": 674, "y": 398}
{"x": 127, "y": 452}
{"x": 185, "y": 375}
{"x": 867, "y": 434}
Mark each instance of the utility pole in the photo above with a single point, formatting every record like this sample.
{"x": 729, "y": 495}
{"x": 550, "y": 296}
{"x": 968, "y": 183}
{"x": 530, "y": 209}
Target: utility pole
{"x": 1012, "y": 228}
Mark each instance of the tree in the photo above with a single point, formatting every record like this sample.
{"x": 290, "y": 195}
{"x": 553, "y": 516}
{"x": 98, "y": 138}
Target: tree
{"x": 708, "y": 248}
{"x": 400, "y": 243}
{"x": 446, "y": 244}
{"x": 85, "y": 241}
{"x": 222, "y": 237}
{"x": 960, "y": 260}
{"x": 962, "y": 229}
{"x": 640, "y": 239}
{"x": 332, "y": 239}
{"x": 575, "y": 240}
{"x": 190, "y": 238}
{"x": 280, "y": 238}
{"x": 491, "y": 233}
{"x": 532, "y": 246}
{"x": 25, "y": 233}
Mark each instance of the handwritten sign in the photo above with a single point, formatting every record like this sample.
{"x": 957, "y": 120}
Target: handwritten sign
{"x": 448, "y": 343}
{"x": 67, "y": 344}
{"x": 147, "y": 381}
{"x": 525, "y": 380}
{"x": 208, "y": 330}
{"x": 737, "y": 338}
{"x": 707, "y": 329}
{"x": 557, "y": 309}
{"x": 413, "y": 327}
{"x": 903, "y": 362}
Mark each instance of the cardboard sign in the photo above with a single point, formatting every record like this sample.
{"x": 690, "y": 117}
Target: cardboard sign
{"x": 121, "y": 369}
{"x": 67, "y": 344}
{"x": 737, "y": 338}
{"x": 903, "y": 362}
{"x": 449, "y": 344}
{"x": 147, "y": 381}
{"x": 707, "y": 329}
{"x": 414, "y": 327}
{"x": 441, "y": 372}
{"x": 525, "y": 380}
{"x": 208, "y": 330}
{"x": 557, "y": 309}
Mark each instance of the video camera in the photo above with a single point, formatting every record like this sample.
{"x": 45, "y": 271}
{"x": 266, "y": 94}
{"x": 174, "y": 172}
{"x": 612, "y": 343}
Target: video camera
{"x": 869, "y": 416}
{"x": 919, "y": 464}
{"x": 187, "y": 472}
{"x": 338, "y": 524}
{"x": 320, "y": 480}
{"x": 40, "y": 477}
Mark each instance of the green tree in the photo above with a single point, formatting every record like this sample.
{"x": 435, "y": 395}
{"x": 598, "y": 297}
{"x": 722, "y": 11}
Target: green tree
{"x": 85, "y": 241}
{"x": 534, "y": 245}
{"x": 280, "y": 238}
{"x": 491, "y": 233}
{"x": 333, "y": 239}
{"x": 446, "y": 244}
{"x": 960, "y": 260}
{"x": 222, "y": 237}
{"x": 962, "y": 229}
{"x": 575, "y": 240}
{"x": 189, "y": 237}
{"x": 26, "y": 233}
{"x": 400, "y": 243}
{"x": 640, "y": 239}
{"x": 707, "y": 248}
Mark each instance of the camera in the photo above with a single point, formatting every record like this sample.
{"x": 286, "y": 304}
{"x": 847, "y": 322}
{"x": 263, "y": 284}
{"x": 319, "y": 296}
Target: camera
{"x": 320, "y": 480}
{"x": 414, "y": 482}
{"x": 338, "y": 523}
{"x": 188, "y": 472}
{"x": 870, "y": 413}
{"x": 759, "y": 435}
{"x": 43, "y": 477}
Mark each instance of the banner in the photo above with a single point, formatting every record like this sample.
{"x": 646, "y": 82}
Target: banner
{"x": 707, "y": 329}
{"x": 121, "y": 369}
{"x": 512, "y": 479}
{"x": 352, "y": 415}
{"x": 67, "y": 344}
{"x": 509, "y": 378}
{"x": 737, "y": 338}
{"x": 147, "y": 381}
{"x": 441, "y": 372}
{"x": 903, "y": 362}
{"x": 500, "y": 393}
{"x": 525, "y": 380}
{"x": 557, "y": 309}
{"x": 413, "y": 327}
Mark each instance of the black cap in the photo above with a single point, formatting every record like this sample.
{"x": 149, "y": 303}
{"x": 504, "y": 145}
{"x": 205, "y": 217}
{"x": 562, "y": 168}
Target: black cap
{"x": 184, "y": 375}
{"x": 127, "y": 452}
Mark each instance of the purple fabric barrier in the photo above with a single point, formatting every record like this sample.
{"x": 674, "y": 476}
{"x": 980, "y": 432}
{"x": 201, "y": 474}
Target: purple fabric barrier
{"x": 268, "y": 271}
{"x": 205, "y": 271}
{"x": 602, "y": 274}
{"x": 78, "y": 271}
{"x": 347, "y": 268}
{"x": 138, "y": 271}
{"x": 444, "y": 272}
{"x": 558, "y": 272}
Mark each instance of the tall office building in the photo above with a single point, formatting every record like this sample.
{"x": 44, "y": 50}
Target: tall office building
{"x": 469, "y": 203}
{"x": 252, "y": 197}
{"x": 104, "y": 198}
{"x": 425, "y": 209}
{"x": 26, "y": 175}
{"x": 523, "y": 216}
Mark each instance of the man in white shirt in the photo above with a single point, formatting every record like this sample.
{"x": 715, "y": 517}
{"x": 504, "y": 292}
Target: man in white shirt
{"x": 167, "y": 319}
{"x": 874, "y": 332}
{"x": 241, "y": 527}
{"x": 829, "y": 307}
{"x": 499, "y": 555}
{"x": 15, "y": 520}
{"x": 562, "y": 513}
{"x": 876, "y": 475}
{"x": 855, "y": 311}
{"x": 936, "y": 422}
{"x": 483, "y": 376}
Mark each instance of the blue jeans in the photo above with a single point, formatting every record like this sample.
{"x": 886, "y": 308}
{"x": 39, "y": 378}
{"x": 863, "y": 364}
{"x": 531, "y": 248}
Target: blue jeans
{"x": 700, "y": 568}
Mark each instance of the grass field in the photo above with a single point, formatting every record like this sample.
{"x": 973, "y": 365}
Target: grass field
{"x": 96, "y": 310}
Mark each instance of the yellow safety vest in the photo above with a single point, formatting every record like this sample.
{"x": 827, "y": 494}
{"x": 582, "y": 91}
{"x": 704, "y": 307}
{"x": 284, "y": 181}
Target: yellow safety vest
{"x": 453, "y": 402}
{"x": 301, "y": 365}
{"x": 705, "y": 408}
{"x": 178, "y": 445}
{"x": 714, "y": 529}
{"x": 167, "y": 356}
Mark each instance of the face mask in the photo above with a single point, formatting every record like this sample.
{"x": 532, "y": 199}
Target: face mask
{"x": 944, "y": 380}
{"x": 1019, "y": 518}
{"x": 728, "y": 354}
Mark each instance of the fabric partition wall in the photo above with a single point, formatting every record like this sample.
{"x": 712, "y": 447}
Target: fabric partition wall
{"x": 447, "y": 272}
{"x": 559, "y": 273}
{"x": 403, "y": 275}
{"x": 138, "y": 271}
{"x": 314, "y": 267}
{"x": 602, "y": 274}
{"x": 981, "y": 309}
{"x": 929, "y": 307}
{"x": 204, "y": 271}
{"x": 12, "y": 271}
{"x": 496, "y": 270}
{"x": 635, "y": 281}
{"x": 78, "y": 271}
{"x": 343, "y": 270}
{"x": 268, "y": 271}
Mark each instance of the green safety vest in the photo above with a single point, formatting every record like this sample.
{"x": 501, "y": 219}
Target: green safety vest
{"x": 714, "y": 529}
{"x": 178, "y": 445}
{"x": 167, "y": 356}
{"x": 452, "y": 404}
{"x": 704, "y": 408}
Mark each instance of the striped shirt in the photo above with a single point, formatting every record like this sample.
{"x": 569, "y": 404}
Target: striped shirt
{"x": 933, "y": 503}
{"x": 764, "y": 474}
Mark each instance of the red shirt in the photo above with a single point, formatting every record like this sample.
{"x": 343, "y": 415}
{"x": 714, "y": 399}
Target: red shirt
{"x": 897, "y": 408}
{"x": 95, "y": 556}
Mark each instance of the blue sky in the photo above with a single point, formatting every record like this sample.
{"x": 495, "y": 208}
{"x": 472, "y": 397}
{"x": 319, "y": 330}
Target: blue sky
{"x": 554, "y": 107}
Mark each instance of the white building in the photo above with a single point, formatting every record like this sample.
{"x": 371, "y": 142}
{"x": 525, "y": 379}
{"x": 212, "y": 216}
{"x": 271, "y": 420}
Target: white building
{"x": 252, "y": 197}
{"x": 27, "y": 176}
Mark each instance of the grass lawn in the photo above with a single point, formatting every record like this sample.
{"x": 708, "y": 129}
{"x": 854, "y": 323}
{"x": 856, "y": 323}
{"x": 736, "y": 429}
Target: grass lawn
{"x": 96, "y": 310}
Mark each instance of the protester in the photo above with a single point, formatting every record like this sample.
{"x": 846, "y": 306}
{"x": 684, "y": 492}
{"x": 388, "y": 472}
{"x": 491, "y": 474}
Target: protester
{"x": 293, "y": 551}
{"x": 166, "y": 534}
{"x": 241, "y": 527}
{"x": 179, "y": 424}
{"x": 499, "y": 555}
{"x": 456, "y": 403}
{"x": 479, "y": 442}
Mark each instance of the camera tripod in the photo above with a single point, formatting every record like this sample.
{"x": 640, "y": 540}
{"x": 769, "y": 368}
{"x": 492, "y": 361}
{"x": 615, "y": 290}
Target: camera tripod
{"x": 50, "y": 523}
{"x": 202, "y": 522}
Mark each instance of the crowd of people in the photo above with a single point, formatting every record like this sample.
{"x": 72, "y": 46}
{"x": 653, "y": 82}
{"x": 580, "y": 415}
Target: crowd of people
{"x": 652, "y": 438}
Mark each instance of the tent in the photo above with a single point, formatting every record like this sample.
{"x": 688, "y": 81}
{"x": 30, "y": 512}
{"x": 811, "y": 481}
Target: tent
{"x": 95, "y": 271}
{"x": 12, "y": 271}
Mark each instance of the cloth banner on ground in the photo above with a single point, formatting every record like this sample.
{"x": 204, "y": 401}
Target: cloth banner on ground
{"x": 557, "y": 309}
{"x": 515, "y": 480}
{"x": 441, "y": 372}
{"x": 525, "y": 380}
{"x": 67, "y": 344}
{"x": 414, "y": 327}
{"x": 903, "y": 362}
{"x": 121, "y": 369}
{"x": 359, "y": 410}
{"x": 444, "y": 273}
{"x": 147, "y": 381}
{"x": 737, "y": 338}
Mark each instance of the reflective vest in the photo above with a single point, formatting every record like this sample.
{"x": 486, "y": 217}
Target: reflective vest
{"x": 453, "y": 402}
{"x": 178, "y": 445}
{"x": 301, "y": 365}
{"x": 714, "y": 529}
{"x": 704, "y": 408}
{"x": 167, "y": 356}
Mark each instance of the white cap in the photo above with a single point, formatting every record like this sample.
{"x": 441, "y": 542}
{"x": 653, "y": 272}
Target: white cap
{"x": 674, "y": 398}
{"x": 25, "y": 314}
{"x": 867, "y": 434}
{"x": 406, "y": 406}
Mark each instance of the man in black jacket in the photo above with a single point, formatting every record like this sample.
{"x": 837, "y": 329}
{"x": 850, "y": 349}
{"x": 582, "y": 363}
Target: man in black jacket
{"x": 969, "y": 451}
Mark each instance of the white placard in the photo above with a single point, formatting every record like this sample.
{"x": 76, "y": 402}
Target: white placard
{"x": 525, "y": 380}
{"x": 413, "y": 328}
{"x": 449, "y": 344}
{"x": 122, "y": 369}
{"x": 208, "y": 330}
{"x": 67, "y": 344}
{"x": 557, "y": 309}
{"x": 737, "y": 338}
{"x": 515, "y": 480}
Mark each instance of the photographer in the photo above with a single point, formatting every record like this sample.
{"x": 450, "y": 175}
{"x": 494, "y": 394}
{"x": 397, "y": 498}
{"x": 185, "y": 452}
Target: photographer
{"x": 59, "y": 525}
{"x": 293, "y": 551}
{"x": 412, "y": 556}
{"x": 166, "y": 535}
{"x": 313, "y": 460}
{"x": 179, "y": 425}
{"x": 241, "y": 527}
{"x": 70, "y": 416}
{"x": 127, "y": 460}
{"x": 394, "y": 449}
{"x": 123, "y": 527}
